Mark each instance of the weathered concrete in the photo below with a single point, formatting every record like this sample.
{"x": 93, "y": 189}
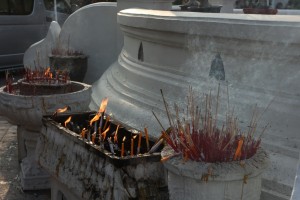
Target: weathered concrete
{"x": 172, "y": 50}
{"x": 99, "y": 37}
{"x": 82, "y": 172}
{"x": 296, "y": 190}
{"x": 214, "y": 181}
{"x": 37, "y": 54}
{"x": 10, "y": 187}
{"x": 27, "y": 112}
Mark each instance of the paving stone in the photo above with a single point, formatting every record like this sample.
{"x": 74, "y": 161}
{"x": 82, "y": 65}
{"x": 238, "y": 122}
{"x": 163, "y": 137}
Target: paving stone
{"x": 10, "y": 187}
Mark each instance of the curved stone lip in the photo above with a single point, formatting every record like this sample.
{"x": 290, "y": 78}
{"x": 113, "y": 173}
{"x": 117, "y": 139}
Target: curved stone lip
{"x": 239, "y": 26}
{"x": 209, "y": 17}
{"x": 82, "y": 56}
{"x": 85, "y": 87}
{"x": 28, "y": 110}
{"x": 59, "y": 84}
{"x": 227, "y": 171}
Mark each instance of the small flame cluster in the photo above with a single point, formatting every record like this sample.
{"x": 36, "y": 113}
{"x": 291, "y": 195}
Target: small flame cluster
{"x": 100, "y": 132}
{"x": 199, "y": 138}
{"x": 46, "y": 76}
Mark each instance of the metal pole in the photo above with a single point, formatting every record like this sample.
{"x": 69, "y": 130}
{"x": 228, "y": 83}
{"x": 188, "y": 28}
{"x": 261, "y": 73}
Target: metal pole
{"x": 55, "y": 10}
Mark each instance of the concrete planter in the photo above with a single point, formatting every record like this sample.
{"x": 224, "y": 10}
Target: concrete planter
{"x": 197, "y": 180}
{"x": 26, "y": 112}
{"x": 76, "y": 65}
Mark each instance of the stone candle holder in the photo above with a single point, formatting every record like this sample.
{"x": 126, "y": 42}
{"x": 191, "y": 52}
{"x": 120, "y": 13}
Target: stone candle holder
{"x": 82, "y": 170}
{"x": 26, "y": 112}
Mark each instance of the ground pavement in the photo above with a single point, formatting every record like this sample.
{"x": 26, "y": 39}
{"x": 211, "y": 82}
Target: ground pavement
{"x": 10, "y": 188}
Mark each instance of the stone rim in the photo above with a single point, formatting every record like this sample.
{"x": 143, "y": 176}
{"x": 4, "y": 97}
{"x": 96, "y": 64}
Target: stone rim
{"x": 226, "y": 171}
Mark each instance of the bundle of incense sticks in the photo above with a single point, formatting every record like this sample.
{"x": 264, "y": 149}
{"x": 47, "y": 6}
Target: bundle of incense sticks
{"x": 197, "y": 137}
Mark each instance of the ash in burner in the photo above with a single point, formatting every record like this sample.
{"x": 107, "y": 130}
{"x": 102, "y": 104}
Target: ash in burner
{"x": 113, "y": 138}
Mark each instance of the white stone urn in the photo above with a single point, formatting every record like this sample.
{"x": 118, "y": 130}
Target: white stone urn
{"x": 228, "y": 180}
{"x": 27, "y": 112}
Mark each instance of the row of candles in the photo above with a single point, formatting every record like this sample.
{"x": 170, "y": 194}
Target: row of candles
{"x": 45, "y": 75}
{"x": 99, "y": 127}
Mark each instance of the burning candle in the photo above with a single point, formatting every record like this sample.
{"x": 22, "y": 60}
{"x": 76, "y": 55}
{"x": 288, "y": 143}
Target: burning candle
{"x": 132, "y": 145}
{"x": 122, "y": 149}
{"x": 83, "y": 132}
{"x": 68, "y": 120}
{"x": 95, "y": 126}
{"x": 147, "y": 138}
{"x": 106, "y": 122}
{"x": 116, "y": 134}
{"x": 93, "y": 137}
{"x": 131, "y": 150}
{"x": 61, "y": 110}
{"x": 111, "y": 145}
{"x": 101, "y": 121}
{"x": 104, "y": 133}
{"x": 139, "y": 143}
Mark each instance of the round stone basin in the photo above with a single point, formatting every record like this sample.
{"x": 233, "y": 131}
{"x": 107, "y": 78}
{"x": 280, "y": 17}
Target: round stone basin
{"x": 226, "y": 180}
{"x": 27, "y": 111}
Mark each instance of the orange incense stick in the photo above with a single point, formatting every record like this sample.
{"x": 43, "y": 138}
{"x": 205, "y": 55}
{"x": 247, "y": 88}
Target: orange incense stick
{"x": 122, "y": 149}
{"x": 147, "y": 138}
{"x": 139, "y": 143}
{"x": 116, "y": 134}
{"x": 131, "y": 150}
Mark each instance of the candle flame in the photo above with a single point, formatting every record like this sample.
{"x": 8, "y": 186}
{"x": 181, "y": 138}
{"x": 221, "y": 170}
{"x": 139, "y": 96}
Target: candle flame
{"x": 83, "y": 132}
{"x": 95, "y": 118}
{"x": 116, "y": 134}
{"x": 48, "y": 73}
{"x": 124, "y": 138}
{"x": 103, "y": 105}
{"x": 93, "y": 138}
{"x": 68, "y": 120}
{"x": 134, "y": 136}
{"x": 101, "y": 110}
{"x": 105, "y": 132}
{"x": 61, "y": 110}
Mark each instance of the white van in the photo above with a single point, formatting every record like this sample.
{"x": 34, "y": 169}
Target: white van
{"x": 24, "y": 22}
{"x": 279, "y": 4}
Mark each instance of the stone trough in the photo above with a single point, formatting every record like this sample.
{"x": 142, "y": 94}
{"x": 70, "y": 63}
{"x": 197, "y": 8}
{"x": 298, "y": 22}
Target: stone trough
{"x": 82, "y": 170}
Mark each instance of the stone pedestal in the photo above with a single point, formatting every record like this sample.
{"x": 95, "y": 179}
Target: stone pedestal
{"x": 33, "y": 176}
{"x": 27, "y": 112}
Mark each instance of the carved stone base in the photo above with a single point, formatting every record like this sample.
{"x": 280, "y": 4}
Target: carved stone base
{"x": 32, "y": 176}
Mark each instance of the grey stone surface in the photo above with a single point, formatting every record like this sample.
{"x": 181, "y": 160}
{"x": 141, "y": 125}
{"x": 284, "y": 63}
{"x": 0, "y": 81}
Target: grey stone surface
{"x": 82, "y": 172}
{"x": 260, "y": 64}
{"x": 10, "y": 185}
{"x": 27, "y": 112}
